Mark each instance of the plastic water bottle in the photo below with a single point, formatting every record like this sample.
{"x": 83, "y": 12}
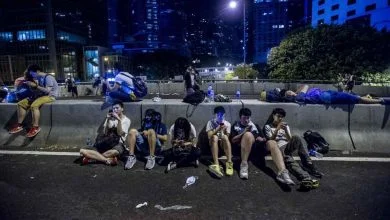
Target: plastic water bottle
{"x": 212, "y": 95}
{"x": 238, "y": 95}
{"x": 314, "y": 153}
{"x": 209, "y": 91}
{"x": 89, "y": 142}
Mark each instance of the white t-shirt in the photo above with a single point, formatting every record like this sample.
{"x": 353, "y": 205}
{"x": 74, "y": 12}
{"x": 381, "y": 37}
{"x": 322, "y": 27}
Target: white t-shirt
{"x": 181, "y": 132}
{"x": 124, "y": 77}
{"x": 125, "y": 125}
{"x": 281, "y": 137}
{"x": 213, "y": 124}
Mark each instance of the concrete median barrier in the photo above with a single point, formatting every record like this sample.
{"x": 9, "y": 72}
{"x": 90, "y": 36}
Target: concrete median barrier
{"x": 68, "y": 123}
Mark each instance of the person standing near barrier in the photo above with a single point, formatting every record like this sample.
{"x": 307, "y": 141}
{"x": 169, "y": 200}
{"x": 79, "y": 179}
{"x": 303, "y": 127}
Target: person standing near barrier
{"x": 190, "y": 80}
{"x": 244, "y": 135}
{"x": 278, "y": 131}
{"x": 184, "y": 150}
{"x": 45, "y": 90}
{"x": 117, "y": 123}
{"x": 149, "y": 139}
{"x": 70, "y": 83}
{"x": 218, "y": 131}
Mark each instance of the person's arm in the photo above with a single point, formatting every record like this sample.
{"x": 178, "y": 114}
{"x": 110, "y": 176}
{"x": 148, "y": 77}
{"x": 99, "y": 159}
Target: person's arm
{"x": 236, "y": 139}
{"x": 287, "y": 130}
{"x": 271, "y": 135}
{"x": 163, "y": 136}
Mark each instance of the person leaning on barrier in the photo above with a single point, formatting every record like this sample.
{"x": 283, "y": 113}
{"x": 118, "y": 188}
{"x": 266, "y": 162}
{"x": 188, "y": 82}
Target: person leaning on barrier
{"x": 115, "y": 125}
{"x": 149, "y": 139}
{"x": 278, "y": 131}
{"x": 218, "y": 131}
{"x": 122, "y": 90}
{"x": 45, "y": 90}
{"x": 184, "y": 150}
{"x": 243, "y": 136}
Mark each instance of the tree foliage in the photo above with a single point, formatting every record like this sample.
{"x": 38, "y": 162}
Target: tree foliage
{"x": 324, "y": 52}
{"x": 245, "y": 72}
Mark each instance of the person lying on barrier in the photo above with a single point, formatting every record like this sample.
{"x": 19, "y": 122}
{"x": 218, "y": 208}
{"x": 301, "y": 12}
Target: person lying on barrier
{"x": 149, "y": 139}
{"x": 44, "y": 89}
{"x": 184, "y": 150}
{"x": 218, "y": 131}
{"x": 111, "y": 143}
{"x": 318, "y": 96}
{"x": 279, "y": 131}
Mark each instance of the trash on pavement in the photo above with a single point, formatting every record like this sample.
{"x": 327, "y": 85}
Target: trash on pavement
{"x": 175, "y": 207}
{"x": 190, "y": 180}
{"x": 141, "y": 205}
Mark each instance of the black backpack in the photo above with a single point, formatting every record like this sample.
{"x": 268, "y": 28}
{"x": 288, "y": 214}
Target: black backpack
{"x": 195, "y": 98}
{"x": 316, "y": 142}
{"x": 140, "y": 87}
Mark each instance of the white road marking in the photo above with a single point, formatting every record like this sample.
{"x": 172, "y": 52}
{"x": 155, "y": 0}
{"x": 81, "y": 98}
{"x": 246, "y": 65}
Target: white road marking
{"x": 348, "y": 159}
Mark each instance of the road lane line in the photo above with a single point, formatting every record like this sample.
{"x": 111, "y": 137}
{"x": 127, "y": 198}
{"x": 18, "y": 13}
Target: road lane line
{"x": 348, "y": 159}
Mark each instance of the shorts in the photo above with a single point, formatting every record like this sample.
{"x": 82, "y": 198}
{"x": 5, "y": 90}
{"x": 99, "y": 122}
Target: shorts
{"x": 26, "y": 103}
{"x": 143, "y": 146}
{"x": 119, "y": 147}
{"x": 258, "y": 148}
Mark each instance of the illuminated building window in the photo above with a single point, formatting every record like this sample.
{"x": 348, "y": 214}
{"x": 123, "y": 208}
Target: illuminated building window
{"x": 31, "y": 35}
{"x": 6, "y": 36}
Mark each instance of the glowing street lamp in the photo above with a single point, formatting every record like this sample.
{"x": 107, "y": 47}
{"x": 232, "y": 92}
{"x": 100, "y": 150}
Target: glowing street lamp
{"x": 233, "y": 4}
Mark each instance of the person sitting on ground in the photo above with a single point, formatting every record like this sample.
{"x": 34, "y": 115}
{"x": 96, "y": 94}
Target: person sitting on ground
{"x": 278, "y": 131}
{"x": 318, "y": 96}
{"x": 243, "y": 137}
{"x": 122, "y": 90}
{"x": 149, "y": 139}
{"x": 45, "y": 90}
{"x": 184, "y": 150}
{"x": 218, "y": 131}
{"x": 115, "y": 125}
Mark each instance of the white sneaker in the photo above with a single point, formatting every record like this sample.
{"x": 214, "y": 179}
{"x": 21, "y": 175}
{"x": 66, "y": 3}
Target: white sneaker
{"x": 285, "y": 178}
{"x": 244, "y": 171}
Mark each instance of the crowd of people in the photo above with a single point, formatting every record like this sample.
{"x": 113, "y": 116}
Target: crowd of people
{"x": 177, "y": 146}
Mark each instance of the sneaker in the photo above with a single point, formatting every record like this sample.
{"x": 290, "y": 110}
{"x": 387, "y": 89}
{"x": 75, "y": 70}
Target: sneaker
{"x": 33, "y": 132}
{"x": 310, "y": 168}
{"x": 87, "y": 160}
{"x": 151, "y": 161}
{"x": 130, "y": 162}
{"x": 17, "y": 128}
{"x": 172, "y": 165}
{"x": 285, "y": 178}
{"x": 229, "y": 168}
{"x": 216, "y": 170}
{"x": 244, "y": 171}
{"x": 310, "y": 183}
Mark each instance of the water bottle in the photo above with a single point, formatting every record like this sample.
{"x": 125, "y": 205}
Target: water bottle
{"x": 209, "y": 91}
{"x": 314, "y": 153}
{"x": 212, "y": 95}
{"x": 238, "y": 95}
{"x": 89, "y": 142}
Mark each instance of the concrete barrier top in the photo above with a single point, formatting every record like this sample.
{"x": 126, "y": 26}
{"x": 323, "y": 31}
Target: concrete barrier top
{"x": 68, "y": 123}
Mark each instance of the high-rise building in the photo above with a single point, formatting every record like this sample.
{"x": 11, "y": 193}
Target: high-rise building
{"x": 272, "y": 20}
{"x": 375, "y": 13}
{"x": 142, "y": 26}
{"x": 45, "y": 32}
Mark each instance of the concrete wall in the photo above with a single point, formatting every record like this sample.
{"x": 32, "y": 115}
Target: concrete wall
{"x": 67, "y": 123}
{"x": 230, "y": 88}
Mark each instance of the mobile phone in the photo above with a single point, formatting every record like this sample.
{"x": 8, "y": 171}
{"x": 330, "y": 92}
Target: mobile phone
{"x": 249, "y": 127}
{"x": 110, "y": 111}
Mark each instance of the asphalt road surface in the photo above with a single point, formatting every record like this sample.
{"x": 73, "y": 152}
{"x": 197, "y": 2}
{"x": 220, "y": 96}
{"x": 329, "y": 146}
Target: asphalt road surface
{"x": 57, "y": 187}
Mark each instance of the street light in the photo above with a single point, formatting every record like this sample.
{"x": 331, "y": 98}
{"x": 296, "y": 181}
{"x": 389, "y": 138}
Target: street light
{"x": 233, "y": 4}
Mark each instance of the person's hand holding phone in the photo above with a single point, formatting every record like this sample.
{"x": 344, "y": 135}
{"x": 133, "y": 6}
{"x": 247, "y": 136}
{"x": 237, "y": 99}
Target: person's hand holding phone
{"x": 248, "y": 128}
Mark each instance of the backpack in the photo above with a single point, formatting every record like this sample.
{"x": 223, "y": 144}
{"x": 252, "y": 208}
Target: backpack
{"x": 316, "y": 142}
{"x": 222, "y": 98}
{"x": 140, "y": 88}
{"x": 195, "y": 98}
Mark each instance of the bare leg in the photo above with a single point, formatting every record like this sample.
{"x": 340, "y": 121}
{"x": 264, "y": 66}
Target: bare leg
{"x": 131, "y": 138}
{"x": 302, "y": 88}
{"x": 246, "y": 146}
{"x": 365, "y": 100}
{"x": 152, "y": 141}
{"x": 227, "y": 147}
{"x": 276, "y": 154}
{"x": 214, "y": 148}
{"x": 36, "y": 114}
{"x": 91, "y": 154}
{"x": 21, "y": 114}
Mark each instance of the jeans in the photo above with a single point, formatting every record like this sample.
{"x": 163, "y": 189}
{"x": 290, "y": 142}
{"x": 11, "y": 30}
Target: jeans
{"x": 293, "y": 167}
